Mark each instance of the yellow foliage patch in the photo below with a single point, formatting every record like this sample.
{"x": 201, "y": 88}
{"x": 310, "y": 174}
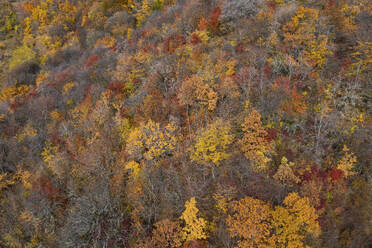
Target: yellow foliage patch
{"x": 212, "y": 144}
{"x": 195, "y": 226}
{"x": 346, "y": 164}
{"x": 151, "y": 141}
{"x": 254, "y": 142}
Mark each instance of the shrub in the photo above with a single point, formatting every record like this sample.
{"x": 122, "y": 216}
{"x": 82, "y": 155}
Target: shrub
{"x": 20, "y": 55}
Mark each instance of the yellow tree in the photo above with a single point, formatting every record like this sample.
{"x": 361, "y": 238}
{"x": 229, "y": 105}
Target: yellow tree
{"x": 294, "y": 222}
{"x": 195, "y": 91}
{"x": 20, "y": 55}
{"x": 302, "y": 33}
{"x": 254, "y": 142}
{"x": 151, "y": 141}
{"x": 212, "y": 143}
{"x": 195, "y": 226}
{"x": 346, "y": 164}
{"x": 249, "y": 222}
{"x": 12, "y": 93}
{"x": 362, "y": 57}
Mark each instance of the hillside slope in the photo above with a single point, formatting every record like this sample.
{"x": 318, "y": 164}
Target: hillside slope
{"x": 185, "y": 123}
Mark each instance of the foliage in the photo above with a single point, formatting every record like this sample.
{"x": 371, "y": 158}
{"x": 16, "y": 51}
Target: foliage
{"x": 250, "y": 222}
{"x": 256, "y": 224}
{"x": 346, "y": 164}
{"x": 294, "y": 221}
{"x": 301, "y": 32}
{"x": 254, "y": 142}
{"x": 11, "y": 93}
{"x": 195, "y": 226}
{"x": 8, "y": 22}
{"x": 212, "y": 144}
{"x": 166, "y": 234}
{"x": 20, "y": 55}
{"x": 104, "y": 105}
{"x": 285, "y": 174}
{"x": 151, "y": 141}
{"x": 195, "y": 91}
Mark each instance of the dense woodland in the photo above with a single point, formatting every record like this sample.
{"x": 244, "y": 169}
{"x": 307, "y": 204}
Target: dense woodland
{"x": 185, "y": 123}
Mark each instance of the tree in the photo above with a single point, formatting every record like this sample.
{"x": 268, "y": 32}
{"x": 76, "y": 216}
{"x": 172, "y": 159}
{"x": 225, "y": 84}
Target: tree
{"x": 20, "y": 55}
{"x": 150, "y": 141}
{"x": 195, "y": 226}
{"x": 294, "y": 222}
{"x": 346, "y": 164}
{"x": 250, "y": 222}
{"x": 195, "y": 91}
{"x": 254, "y": 142}
{"x": 167, "y": 234}
{"x": 302, "y": 33}
{"x": 285, "y": 174}
{"x": 212, "y": 144}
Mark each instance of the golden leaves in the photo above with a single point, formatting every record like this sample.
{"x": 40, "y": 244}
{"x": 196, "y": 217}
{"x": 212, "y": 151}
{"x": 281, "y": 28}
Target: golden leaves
{"x": 49, "y": 152}
{"x": 302, "y": 32}
{"x": 143, "y": 13}
{"x": 28, "y": 131}
{"x": 249, "y": 222}
{"x": 294, "y": 222}
{"x": 203, "y": 35}
{"x": 195, "y": 90}
{"x": 346, "y": 164}
{"x": 151, "y": 141}
{"x": 20, "y": 55}
{"x": 135, "y": 169}
{"x": 212, "y": 143}
{"x": 67, "y": 87}
{"x": 257, "y": 224}
{"x": 254, "y": 142}
{"x": 5, "y": 181}
{"x": 195, "y": 227}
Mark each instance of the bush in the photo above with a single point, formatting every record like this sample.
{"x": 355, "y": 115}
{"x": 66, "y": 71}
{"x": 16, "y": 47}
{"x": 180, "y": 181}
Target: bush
{"x": 20, "y": 55}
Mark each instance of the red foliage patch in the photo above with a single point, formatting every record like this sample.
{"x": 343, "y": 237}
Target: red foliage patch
{"x": 289, "y": 154}
{"x": 14, "y": 105}
{"x": 32, "y": 94}
{"x": 147, "y": 48}
{"x": 315, "y": 174}
{"x": 240, "y": 47}
{"x": 90, "y": 61}
{"x": 63, "y": 76}
{"x": 321, "y": 205}
{"x": 336, "y": 174}
{"x": 195, "y": 244}
{"x": 116, "y": 87}
{"x": 145, "y": 33}
{"x": 267, "y": 71}
{"x": 172, "y": 43}
{"x": 272, "y": 5}
{"x": 88, "y": 89}
{"x": 213, "y": 22}
{"x": 195, "y": 39}
{"x": 125, "y": 229}
{"x": 55, "y": 138}
{"x": 330, "y": 3}
{"x": 44, "y": 186}
{"x": 271, "y": 134}
{"x": 285, "y": 133}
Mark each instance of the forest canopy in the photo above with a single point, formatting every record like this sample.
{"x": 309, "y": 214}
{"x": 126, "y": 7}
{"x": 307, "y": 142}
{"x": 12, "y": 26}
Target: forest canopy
{"x": 185, "y": 123}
